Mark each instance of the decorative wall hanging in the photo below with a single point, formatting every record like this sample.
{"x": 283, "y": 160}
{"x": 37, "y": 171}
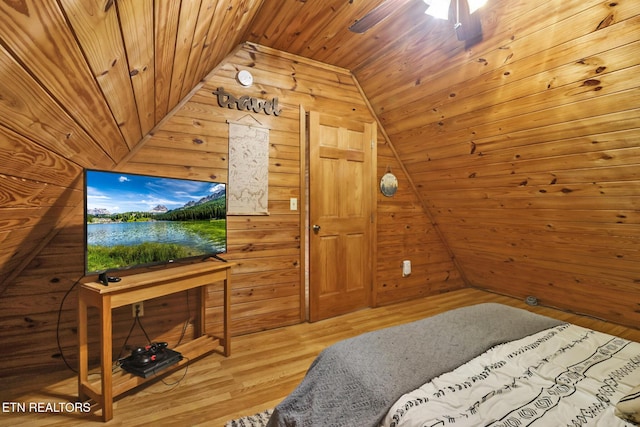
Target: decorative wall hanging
{"x": 245, "y": 78}
{"x": 388, "y": 184}
{"x": 248, "y": 190}
{"x": 225, "y": 99}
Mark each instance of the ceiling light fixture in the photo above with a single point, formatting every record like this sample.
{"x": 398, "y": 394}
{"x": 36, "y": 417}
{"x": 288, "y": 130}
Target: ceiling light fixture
{"x": 440, "y": 8}
{"x": 467, "y": 24}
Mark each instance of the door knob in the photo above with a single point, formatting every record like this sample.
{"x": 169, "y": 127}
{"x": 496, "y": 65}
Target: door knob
{"x": 316, "y": 228}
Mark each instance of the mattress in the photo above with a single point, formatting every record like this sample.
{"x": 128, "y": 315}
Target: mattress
{"x": 354, "y": 382}
{"x": 565, "y": 375}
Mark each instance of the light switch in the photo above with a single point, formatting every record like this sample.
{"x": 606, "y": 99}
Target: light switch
{"x": 406, "y": 268}
{"x": 293, "y": 204}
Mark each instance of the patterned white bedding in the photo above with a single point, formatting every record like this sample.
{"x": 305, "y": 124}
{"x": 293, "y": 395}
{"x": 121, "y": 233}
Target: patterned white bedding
{"x": 566, "y": 375}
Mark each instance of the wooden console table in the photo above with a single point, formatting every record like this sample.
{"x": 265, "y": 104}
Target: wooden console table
{"x": 137, "y": 288}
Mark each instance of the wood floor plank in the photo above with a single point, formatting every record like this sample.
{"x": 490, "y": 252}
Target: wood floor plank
{"x": 263, "y": 368}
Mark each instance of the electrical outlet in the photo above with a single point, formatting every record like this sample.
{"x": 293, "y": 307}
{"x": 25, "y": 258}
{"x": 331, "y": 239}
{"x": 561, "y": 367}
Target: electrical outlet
{"x": 137, "y": 308}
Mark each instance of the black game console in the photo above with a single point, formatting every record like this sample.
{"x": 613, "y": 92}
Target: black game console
{"x": 149, "y": 360}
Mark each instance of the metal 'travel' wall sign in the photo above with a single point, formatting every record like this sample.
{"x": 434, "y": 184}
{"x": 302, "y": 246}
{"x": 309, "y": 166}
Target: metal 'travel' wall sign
{"x": 225, "y": 99}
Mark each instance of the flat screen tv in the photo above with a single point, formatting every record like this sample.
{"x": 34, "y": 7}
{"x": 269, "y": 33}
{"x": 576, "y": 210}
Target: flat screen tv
{"x": 136, "y": 220}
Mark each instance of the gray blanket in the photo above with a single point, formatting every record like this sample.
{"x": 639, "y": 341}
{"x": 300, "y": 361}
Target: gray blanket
{"x": 354, "y": 382}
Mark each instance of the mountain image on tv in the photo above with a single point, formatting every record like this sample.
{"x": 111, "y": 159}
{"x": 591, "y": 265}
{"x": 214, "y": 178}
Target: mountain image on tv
{"x": 134, "y": 220}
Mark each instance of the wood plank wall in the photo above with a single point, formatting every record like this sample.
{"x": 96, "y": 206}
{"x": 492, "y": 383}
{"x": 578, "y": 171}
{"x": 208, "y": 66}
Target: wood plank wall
{"x": 86, "y": 81}
{"x": 268, "y": 284}
{"x": 525, "y": 149}
{"x": 405, "y": 232}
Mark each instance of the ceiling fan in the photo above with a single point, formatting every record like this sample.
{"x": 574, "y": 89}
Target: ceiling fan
{"x": 463, "y": 12}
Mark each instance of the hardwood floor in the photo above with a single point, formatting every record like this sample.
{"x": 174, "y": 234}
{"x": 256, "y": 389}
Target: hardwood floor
{"x": 262, "y": 369}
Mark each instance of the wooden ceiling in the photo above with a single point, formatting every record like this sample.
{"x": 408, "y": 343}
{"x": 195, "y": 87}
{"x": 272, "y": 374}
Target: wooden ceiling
{"x": 109, "y": 70}
{"x": 320, "y": 31}
{"x": 130, "y": 62}
{"x": 87, "y": 81}
{"x": 528, "y": 131}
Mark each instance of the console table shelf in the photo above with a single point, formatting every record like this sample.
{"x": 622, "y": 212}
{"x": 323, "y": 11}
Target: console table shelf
{"x": 141, "y": 287}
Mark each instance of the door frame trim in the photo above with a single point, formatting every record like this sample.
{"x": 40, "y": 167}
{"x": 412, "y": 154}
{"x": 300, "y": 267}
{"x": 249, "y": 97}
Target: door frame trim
{"x": 303, "y": 208}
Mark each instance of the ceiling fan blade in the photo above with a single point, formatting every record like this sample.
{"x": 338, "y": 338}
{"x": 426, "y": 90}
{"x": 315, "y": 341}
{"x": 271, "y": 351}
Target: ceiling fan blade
{"x": 377, "y": 15}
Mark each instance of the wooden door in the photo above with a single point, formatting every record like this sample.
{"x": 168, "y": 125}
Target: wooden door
{"x": 341, "y": 188}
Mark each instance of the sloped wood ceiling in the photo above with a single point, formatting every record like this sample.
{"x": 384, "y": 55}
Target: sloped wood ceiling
{"x": 81, "y": 84}
{"x": 523, "y": 147}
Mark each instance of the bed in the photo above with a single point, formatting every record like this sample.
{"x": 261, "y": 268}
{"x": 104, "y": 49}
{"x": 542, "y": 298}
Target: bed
{"x": 487, "y": 364}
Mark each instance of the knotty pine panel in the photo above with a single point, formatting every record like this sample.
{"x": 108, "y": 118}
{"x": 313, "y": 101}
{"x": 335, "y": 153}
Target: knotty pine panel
{"x": 207, "y": 143}
{"x": 21, "y": 157}
{"x": 30, "y": 209}
{"x": 405, "y": 232}
{"x": 29, "y": 307}
{"x": 189, "y": 12}
{"x": 528, "y": 158}
{"x": 165, "y": 15}
{"x": 55, "y": 59}
{"x": 24, "y": 103}
{"x": 524, "y": 151}
{"x": 520, "y": 32}
{"x": 441, "y": 279}
{"x": 267, "y": 285}
{"x": 576, "y": 118}
{"x": 497, "y": 123}
{"x": 523, "y": 232}
{"x": 94, "y": 24}
{"x": 592, "y": 261}
{"x": 392, "y": 36}
{"x": 83, "y": 129}
{"x": 81, "y": 81}
{"x": 136, "y": 21}
{"x": 597, "y": 297}
{"x": 581, "y": 110}
{"x": 200, "y": 29}
{"x": 27, "y": 218}
{"x": 23, "y": 193}
{"x": 264, "y": 287}
{"x": 320, "y": 22}
{"x": 558, "y": 104}
{"x": 228, "y": 24}
{"x": 542, "y": 141}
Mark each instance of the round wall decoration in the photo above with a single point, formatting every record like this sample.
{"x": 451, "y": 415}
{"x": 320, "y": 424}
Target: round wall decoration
{"x": 244, "y": 77}
{"x": 388, "y": 184}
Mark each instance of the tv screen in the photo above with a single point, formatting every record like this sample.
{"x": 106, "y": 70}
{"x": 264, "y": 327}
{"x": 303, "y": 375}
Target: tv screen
{"x": 134, "y": 220}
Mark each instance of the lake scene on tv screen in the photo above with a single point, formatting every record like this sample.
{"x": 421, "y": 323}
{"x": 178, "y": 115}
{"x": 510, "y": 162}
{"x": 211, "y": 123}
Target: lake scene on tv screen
{"x": 138, "y": 219}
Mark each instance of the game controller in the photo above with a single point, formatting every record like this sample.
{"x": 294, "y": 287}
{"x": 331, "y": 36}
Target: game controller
{"x": 105, "y": 280}
{"x": 144, "y": 356}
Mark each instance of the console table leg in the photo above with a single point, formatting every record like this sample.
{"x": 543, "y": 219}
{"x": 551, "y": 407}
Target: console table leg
{"x": 227, "y": 314}
{"x": 200, "y": 325}
{"x": 83, "y": 355}
{"x": 105, "y": 358}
